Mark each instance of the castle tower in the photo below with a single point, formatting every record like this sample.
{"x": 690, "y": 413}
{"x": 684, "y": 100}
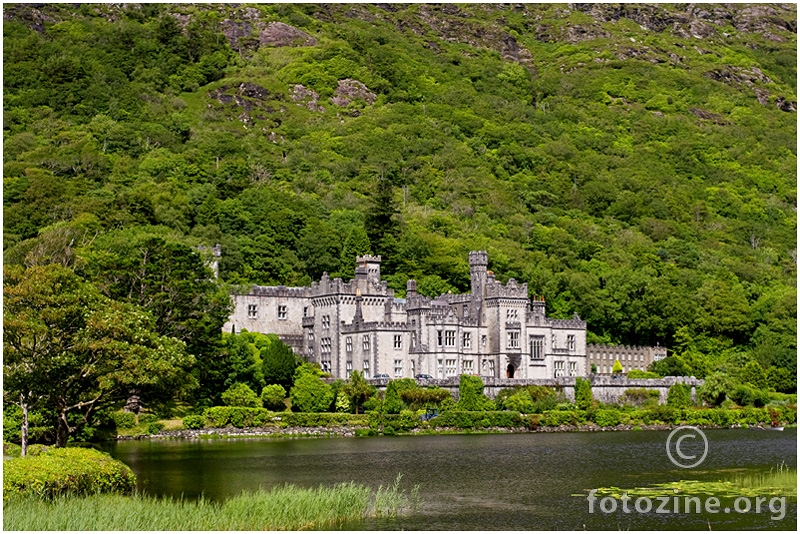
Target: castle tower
{"x": 478, "y": 262}
{"x": 372, "y": 265}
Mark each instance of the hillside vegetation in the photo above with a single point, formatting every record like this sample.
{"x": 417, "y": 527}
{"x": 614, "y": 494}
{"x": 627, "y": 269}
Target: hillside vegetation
{"x": 634, "y": 164}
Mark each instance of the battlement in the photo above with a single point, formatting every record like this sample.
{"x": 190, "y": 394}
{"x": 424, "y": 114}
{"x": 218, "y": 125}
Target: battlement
{"x": 280, "y": 291}
{"x": 575, "y": 322}
{"x": 366, "y": 258}
{"x": 479, "y": 257}
{"x": 495, "y": 289}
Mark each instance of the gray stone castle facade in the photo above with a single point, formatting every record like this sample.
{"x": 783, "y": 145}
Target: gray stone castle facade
{"x": 493, "y": 331}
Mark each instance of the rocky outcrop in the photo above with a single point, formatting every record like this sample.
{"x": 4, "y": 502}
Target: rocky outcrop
{"x": 280, "y": 34}
{"x": 251, "y": 98}
{"x": 304, "y": 96}
{"x": 350, "y": 90}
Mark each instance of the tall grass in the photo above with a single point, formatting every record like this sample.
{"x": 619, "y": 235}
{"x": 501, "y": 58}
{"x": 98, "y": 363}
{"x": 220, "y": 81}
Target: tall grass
{"x": 283, "y": 508}
{"x": 781, "y": 478}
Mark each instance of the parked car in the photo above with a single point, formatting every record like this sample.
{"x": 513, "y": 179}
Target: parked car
{"x": 423, "y": 377}
{"x": 382, "y": 375}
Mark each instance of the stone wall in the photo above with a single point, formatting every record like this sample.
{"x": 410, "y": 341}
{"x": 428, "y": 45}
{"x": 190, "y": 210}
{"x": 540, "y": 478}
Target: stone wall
{"x": 604, "y": 388}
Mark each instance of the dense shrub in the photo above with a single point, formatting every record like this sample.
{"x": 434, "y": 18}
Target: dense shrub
{"x": 323, "y": 419}
{"x": 12, "y": 450}
{"x": 77, "y": 471}
{"x": 273, "y": 397}
{"x": 679, "y": 396}
{"x": 393, "y": 402}
{"x": 470, "y": 395}
{"x": 606, "y": 417}
{"x": 310, "y": 393}
{"x": 123, "y": 419}
{"x": 715, "y": 389}
{"x": 417, "y": 398}
{"x": 519, "y": 402}
{"x": 745, "y": 395}
{"x": 564, "y": 417}
{"x": 194, "y": 422}
{"x": 147, "y": 418}
{"x": 237, "y": 416}
{"x": 241, "y": 395}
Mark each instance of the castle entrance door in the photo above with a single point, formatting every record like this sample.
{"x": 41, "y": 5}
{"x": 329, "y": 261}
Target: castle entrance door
{"x": 510, "y": 371}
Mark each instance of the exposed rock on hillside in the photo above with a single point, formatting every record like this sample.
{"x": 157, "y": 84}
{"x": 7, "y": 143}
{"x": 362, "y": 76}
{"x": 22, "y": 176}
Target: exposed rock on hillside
{"x": 306, "y": 97}
{"x": 280, "y": 34}
{"x": 350, "y": 90}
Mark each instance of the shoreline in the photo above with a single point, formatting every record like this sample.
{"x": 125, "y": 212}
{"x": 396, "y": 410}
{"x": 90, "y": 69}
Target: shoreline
{"x": 351, "y": 431}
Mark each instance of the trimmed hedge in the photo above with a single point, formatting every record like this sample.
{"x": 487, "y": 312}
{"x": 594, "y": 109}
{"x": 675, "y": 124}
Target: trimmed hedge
{"x": 74, "y": 471}
{"x": 464, "y": 419}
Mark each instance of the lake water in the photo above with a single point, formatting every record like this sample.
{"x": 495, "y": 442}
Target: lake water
{"x": 469, "y": 482}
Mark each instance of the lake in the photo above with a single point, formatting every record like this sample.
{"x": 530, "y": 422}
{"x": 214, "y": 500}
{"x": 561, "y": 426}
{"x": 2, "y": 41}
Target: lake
{"x": 474, "y": 482}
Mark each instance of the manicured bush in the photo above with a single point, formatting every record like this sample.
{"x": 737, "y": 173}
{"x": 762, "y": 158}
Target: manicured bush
{"x": 583, "y": 393}
{"x": 323, "y": 419}
{"x": 12, "y": 450}
{"x": 236, "y": 416}
{"x": 679, "y": 396}
{"x": 519, "y": 402}
{"x": 77, "y": 471}
{"x": 241, "y": 395}
{"x": 123, "y": 419}
{"x": 310, "y": 393}
{"x": 273, "y": 397}
{"x": 638, "y": 373}
{"x": 479, "y": 419}
{"x": 155, "y": 427}
{"x": 194, "y": 422}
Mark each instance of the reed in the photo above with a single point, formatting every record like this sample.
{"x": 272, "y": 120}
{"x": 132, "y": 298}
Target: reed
{"x": 283, "y": 508}
{"x": 780, "y": 478}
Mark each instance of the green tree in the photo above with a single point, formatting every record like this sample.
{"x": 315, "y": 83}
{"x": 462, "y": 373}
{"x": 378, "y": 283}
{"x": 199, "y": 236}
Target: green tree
{"x": 715, "y": 389}
{"x": 241, "y": 395}
{"x": 679, "y": 396}
{"x": 342, "y": 403}
{"x": 358, "y": 390}
{"x": 279, "y": 363}
{"x": 616, "y": 368}
{"x": 781, "y": 380}
{"x": 392, "y": 402}
{"x": 470, "y": 394}
{"x": 752, "y": 373}
{"x": 273, "y": 397}
{"x": 583, "y": 393}
{"x": 79, "y": 352}
{"x": 310, "y": 393}
{"x": 519, "y": 402}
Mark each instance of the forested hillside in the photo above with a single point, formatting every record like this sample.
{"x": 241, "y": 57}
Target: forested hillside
{"x": 634, "y": 164}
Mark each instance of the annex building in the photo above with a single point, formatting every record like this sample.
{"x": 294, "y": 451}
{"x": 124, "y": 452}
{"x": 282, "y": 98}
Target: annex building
{"x": 495, "y": 330}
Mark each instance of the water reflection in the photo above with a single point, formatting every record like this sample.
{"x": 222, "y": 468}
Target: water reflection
{"x": 488, "y": 482}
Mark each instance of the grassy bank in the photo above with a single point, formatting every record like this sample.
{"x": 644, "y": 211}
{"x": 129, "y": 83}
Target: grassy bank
{"x": 284, "y": 508}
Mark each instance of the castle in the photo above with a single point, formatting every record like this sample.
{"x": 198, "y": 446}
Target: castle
{"x": 493, "y": 331}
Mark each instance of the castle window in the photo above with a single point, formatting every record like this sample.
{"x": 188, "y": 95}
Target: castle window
{"x": 348, "y": 344}
{"x": 440, "y": 369}
{"x": 513, "y": 340}
{"x": 325, "y": 345}
{"x": 571, "y": 342}
{"x": 398, "y": 368}
{"x": 466, "y": 367}
{"x": 413, "y": 368}
{"x": 326, "y": 366}
{"x": 326, "y": 321}
{"x": 466, "y": 340}
{"x": 450, "y": 338}
{"x": 512, "y": 315}
{"x": 573, "y": 368}
{"x": 413, "y": 339}
{"x": 252, "y": 311}
{"x": 537, "y": 347}
{"x": 311, "y": 337}
{"x": 450, "y": 367}
{"x": 282, "y": 313}
{"x": 365, "y": 342}
{"x": 366, "y": 368}
{"x": 349, "y": 368}
{"x": 465, "y": 313}
{"x": 439, "y": 338}
{"x": 553, "y": 340}
{"x": 489, "y": 366}
{"x": 483, "y": 340}
{"x": 559, "y": 368}
{"x": 398, "y": 342}
{"x": 305, "y": 311}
